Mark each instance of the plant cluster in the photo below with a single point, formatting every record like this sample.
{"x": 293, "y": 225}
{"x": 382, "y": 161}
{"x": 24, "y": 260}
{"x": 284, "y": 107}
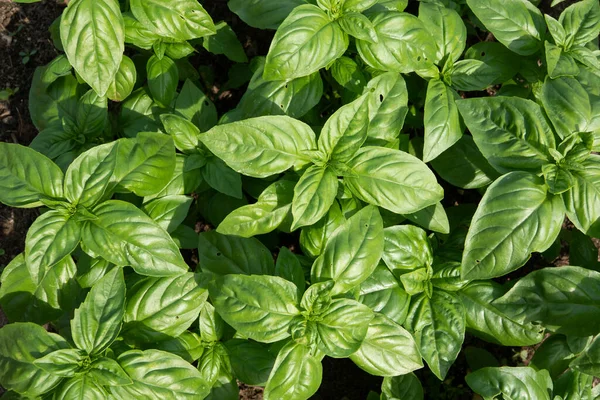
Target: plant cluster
{"x": 356, "y": 134}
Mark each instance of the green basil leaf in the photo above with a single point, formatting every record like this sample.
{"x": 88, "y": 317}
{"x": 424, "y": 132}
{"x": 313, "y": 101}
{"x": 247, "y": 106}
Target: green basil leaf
{"x": 382, "y": 293}
{"x": 52, "y": 237}
{"x": 89, "y": 176}
{"x": 314, "y": 238}
{"x": 347, "y": 73}
{"x": 582, "y": 201}
{"x": 296, "y": 374}
{"x": 194, "y": 105}
{"x": 387, "y": 350}
{"x": 63, "y": 362}
{"x": 472, "y": 75}
{"x": 346, "y": 130}
{"x": 179, "y": 20}
{"x": 516, "y": 217}
{"x": 20, "y": 345}
{"x": 392, "y": 179}
{"x": 388, "y": 105}
{"x": 264, "y": 216}
{"x": 352, "y": 252}
{"x": 168, "y": 212}
{"x": 464, "y": 166}
{"x": 92, "y": 114}
{"x": 137, "y": 34}
{"x": 93, "y": 37}
{"x": 97, "y": 321}
{"x": 403, "y": 387}
{"x": 441, "y": 118}
{"x": 288, "y": 266}
{"x": 188, "y": 346}
{"x": 294, "y": 97}
{"x": 124, "y": 81}
{"x": 517, "y": 382}
{"x": 213, "y": 363}
{"x": 556, "y": 30}
{"x": 447, "y": 27}
{"x": 342, "y": 327}
{"x": 124, "y": 235}
{"x": 556, "y": 353}
{"x": 564, "y": 300}
{"x": 184, "y": 133}
{"x": 558, "y": 179}
{"x": 211, "y": 324}
{"x": 50, "y": 102}
{"x": 313, "y": 196}
{"x": 263, "y": 14}
{"x": 406, "y": 248}
{"x": 158, "y": 374}
{"x": 438, "y": 324}
{"x": 357, "y": 25}
{"x": 108, "y": 372}
{"x": 81, "y": 386}
{"x": 517, "y": 24}
{"x": 90, "y": 270}
{"x": 505, "y": 62}
{"x": 298, "y": 46}
{"x": 144, "y": 164}
{"x": 225, "y": 42}
{"x": 259, "y": 307}
{"x": 581, "y": 22}
{"x": 491, "y": 324}
{"x": 588, "y": 361}
{"x": 512, "y": 133}
{"x": 223, "y": 254}
{"x": 159, "y": 308}
{"x": 559, "y": 62}
{"x": 222, "y": 178}
{"x": 567, "y": 104}
{"x": 53, "y": 142}
{"x": 263, "y": 146}
{"x": 138, "y": 114}
{"x": 163, "y": 77}
{"x": 404, "y": 43}
{"x": 432, "y": 218}
{"x": 25, "y": 175}
{"x": 573, "y": 384}
{"x": 185, "y": 179}
{"x": 251, "y": 361}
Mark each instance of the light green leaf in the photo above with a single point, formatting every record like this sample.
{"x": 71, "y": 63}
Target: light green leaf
{"x": 158, "y": 374}
{"x": 188, "y": 346}
{"x": 108, "y": 372}
{"x": 488, "y": 322}
{"x": 138, "y": 114}
{"x": 222, "y": 178}
{"x": 92, "y": 34}
{"x": 89, "y": 176}
{"x": 158, "y": 308}
{"x": 288, "y": 266}
{"x": 563, "y": 299}
{"x": 441, "y": 118}
{"x": 211, "y": 324}
{"x": 388, "y": 105}
{"x": 387, "y": 350}
{"x": 404, "y": 43}
{"x": 392, "y": 179}
{"x": 163, "y": 77}
{"x": 80, "y": 387}
{"x": 63, "y": 362}
{"x": 583, "y": 199}
{"x": 382, "y": 293}
{"x": 581, "y": 22}
{"x": 446, "y": 26}
{"x": 223, "y": 254}
{"x": 406, "y": 248}
{"x": 194, "y": 105}
{"x": 313, "y": 195}
{"x": 516, "y": 382}
{"x": 512, "y": 133}
{"x": 97, "y": 321}
{"x": 52, "y": 237}
{"x": 560, "y": 63}
{"x": 567, "y": 104}
{"x": 259, "y": 307}
{"x": 438, "y": 325}
{"x": 357, "y": 25}
{"x": 516, "y": 217}
{"x": 263, "y": 146}
{"x": 169, "y": 211}
{"x": 403, "y": 387}
{"x": 184, "y": 133}
{"x": 432, "y": 218}
{"x": 352, "y": 252}
{"x": 517, "y": 24}
{"x": 124, "y": 82}
{"x": 178, "y": 19}
{"x": 124, "y": 235}
{"x": 26, "y": 175}
{"x": 347, "y": 73}
{"x": 92, "y": 115}
{"x": 20, "y": 345}
{"x": 296, "y": 374}
{"x": 306, "y": 41}
{"x": 473, "y": 75}
{"x": 144, "y": 164}
{"x": 558, "y": 179}
{"x": 314, "y": 238}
